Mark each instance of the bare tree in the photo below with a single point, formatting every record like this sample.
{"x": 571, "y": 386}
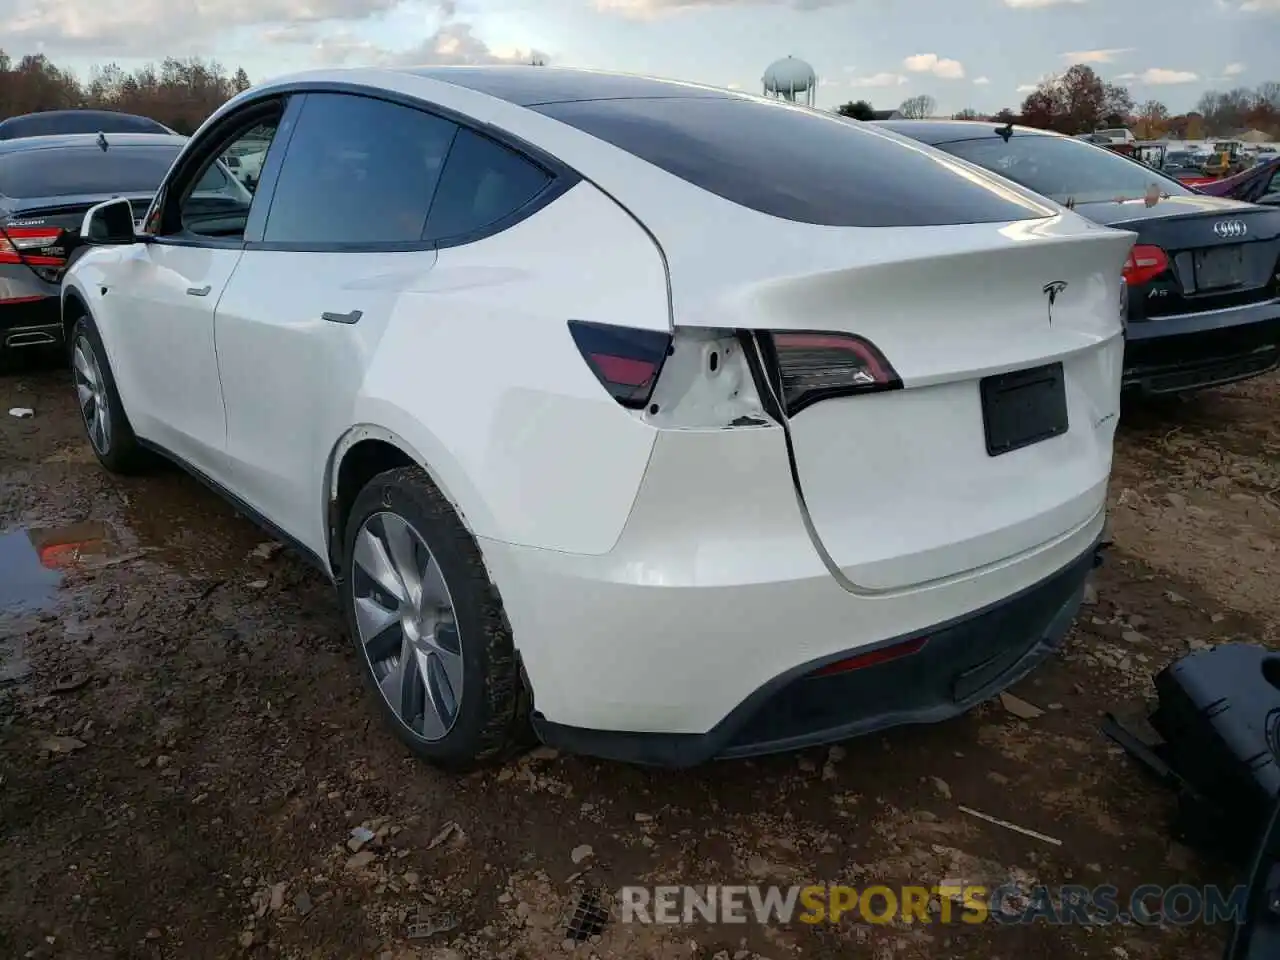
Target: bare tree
{"x": 918, "y": 108}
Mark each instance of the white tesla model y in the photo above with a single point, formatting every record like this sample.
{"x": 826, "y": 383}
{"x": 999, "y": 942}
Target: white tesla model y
{"x": 664, "y": 422}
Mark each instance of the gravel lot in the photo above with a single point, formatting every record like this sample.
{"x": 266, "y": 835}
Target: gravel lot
{"x": 221, "y": 749}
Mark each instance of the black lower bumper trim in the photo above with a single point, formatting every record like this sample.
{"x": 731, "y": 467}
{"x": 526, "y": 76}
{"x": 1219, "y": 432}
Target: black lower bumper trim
{"x": 1194, "y": 361}
{"x": 962, "y": 663}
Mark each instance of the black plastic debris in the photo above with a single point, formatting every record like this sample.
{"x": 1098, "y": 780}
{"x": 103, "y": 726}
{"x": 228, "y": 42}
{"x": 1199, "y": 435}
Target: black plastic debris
{"x": 1218, "y": 721}
{"x": 588, "y": 917}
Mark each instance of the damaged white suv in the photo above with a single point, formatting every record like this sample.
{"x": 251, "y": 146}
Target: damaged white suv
{"x": 606, "y": 428}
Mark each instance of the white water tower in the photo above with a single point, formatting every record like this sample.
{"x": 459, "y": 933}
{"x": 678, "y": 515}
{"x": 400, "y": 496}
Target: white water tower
{"x": 789, "y": 79}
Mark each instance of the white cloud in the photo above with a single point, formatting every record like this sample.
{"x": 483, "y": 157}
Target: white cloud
{"x": 878, "y": 80}
{"x": 1260, "y": 6}
{"x": 648, "y": 9}
{"x": 981, "y": 81}
{"x": 141, "y": 27}
{"x": 938, "y": 66}
{"x": 1033, "y": 4}
{"x": 1105, "y": 55}
{"x": 1233, "y": 70}
{"x": 1159, "y": 76}
{"x": 1027, "y": 88}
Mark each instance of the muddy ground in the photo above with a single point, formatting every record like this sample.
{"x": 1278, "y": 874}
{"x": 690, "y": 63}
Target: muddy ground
{"x": 185, "y": 746}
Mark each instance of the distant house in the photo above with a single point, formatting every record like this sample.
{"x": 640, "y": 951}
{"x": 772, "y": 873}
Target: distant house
{"x": 888, "y": 115}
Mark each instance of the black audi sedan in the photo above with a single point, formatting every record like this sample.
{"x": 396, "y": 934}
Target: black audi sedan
{"x": 1203, "y": 278}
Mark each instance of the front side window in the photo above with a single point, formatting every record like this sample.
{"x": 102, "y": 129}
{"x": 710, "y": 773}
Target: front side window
{"x": 217, "y": 204}
{"x": 1064, "y": 169}
{"x": 794, "y": 163}
{"x": 358, "y": 171}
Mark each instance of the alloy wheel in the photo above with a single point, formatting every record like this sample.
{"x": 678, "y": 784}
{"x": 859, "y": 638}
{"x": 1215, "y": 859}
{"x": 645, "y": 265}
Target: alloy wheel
{"x": 91, "y": 390}
{"x": 408, "y": 629}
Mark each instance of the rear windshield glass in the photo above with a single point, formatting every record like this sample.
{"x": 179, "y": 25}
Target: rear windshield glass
{"x": 794, "y": 163}
{"x": 44, "y": 124}
{"x": 62, "y": 172}
{"x": 1065, "y": 169}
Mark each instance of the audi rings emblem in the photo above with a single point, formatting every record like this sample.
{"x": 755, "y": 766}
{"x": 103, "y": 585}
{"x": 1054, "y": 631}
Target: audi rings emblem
{"x": 1230, "y": 229}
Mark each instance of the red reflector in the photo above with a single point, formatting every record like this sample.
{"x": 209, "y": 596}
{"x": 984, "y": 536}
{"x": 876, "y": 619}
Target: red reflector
{"x": 872, "y": 658}
{"x": 23, "y": 299}
{"x": 623, "y": 370}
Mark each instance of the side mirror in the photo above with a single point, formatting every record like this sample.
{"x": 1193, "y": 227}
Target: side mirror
{"x": 109, "y": 224}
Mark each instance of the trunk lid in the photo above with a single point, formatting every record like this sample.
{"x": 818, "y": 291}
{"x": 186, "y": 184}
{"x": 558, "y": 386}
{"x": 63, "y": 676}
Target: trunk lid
{"x": 899, "y": 485}
{"x": 1222, "y": 253}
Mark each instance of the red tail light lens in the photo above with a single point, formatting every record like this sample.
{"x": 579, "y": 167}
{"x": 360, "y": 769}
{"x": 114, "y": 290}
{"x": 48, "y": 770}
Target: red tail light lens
{"x": 23, "y": 244}
{"x": 815, "y": 366}
{"x": 1145, "y": 263}
{"x": 625, "y": 360}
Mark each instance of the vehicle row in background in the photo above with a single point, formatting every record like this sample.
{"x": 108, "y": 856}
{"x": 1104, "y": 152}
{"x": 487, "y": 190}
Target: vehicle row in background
{"x": 1190, "y": 165}
{"x": 1204, "y": 277}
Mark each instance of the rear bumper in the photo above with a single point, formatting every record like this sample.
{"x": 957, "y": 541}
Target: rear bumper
{"x": 30, "y": 323}
{"x": 1194, "y": 351}
{"x": 962, "y": 662}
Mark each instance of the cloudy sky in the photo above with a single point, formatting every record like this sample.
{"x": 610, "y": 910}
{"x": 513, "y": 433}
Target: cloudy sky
{"x": 983, "y": 54}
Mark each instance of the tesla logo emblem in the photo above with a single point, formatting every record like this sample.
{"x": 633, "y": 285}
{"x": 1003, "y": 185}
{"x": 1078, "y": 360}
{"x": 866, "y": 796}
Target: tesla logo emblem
{"x": 1051, "y": 290}
{"x": 1230, "y": 229}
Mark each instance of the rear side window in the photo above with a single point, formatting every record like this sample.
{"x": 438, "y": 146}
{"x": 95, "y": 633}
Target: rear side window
{"x": 64, "y": 172}
{"x": 358, "y": 171}
{"x": 794, "y": 163}
{"x": 483, "y": 182}
{"x": 1064, "y": 168}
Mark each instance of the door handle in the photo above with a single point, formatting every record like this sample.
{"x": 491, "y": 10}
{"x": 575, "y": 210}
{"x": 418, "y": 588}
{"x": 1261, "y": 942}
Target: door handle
{"x": 352, "y": 317}
{"x": 199, "y": 291}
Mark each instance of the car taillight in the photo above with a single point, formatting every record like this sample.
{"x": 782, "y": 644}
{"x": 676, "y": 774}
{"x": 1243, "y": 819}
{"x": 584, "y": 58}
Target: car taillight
{"x": 18, "y": 245}
{"x": 1145, "y": 263}
{"x": 625, "y": 360}
{"x": 815, "y": 366}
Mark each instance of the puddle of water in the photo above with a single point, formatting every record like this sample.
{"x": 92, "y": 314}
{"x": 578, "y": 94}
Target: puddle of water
{"x": 25, "y": 582}
{"x": 31, "y": 561}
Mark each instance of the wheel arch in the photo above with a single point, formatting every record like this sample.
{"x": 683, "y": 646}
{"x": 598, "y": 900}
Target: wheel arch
{"x": 367, "y": 449}
{"x": 73, "y": 307}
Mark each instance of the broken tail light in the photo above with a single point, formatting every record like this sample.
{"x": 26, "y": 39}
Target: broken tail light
{"x": 813, "y": 366}
{"x": 625, "y": 360}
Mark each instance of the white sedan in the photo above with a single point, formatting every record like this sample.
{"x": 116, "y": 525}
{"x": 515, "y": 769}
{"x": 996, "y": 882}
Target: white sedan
{"x": 660, "y": 421}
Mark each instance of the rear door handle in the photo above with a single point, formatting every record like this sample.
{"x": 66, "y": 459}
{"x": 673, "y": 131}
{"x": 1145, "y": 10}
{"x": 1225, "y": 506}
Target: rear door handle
{"x": 352, "y": 317}
{"x": 199, "y": 291}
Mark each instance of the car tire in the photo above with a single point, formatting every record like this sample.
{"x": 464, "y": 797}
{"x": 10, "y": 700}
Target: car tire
{"x": 463, "y": 661}
{"x": 111, "y": 436}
